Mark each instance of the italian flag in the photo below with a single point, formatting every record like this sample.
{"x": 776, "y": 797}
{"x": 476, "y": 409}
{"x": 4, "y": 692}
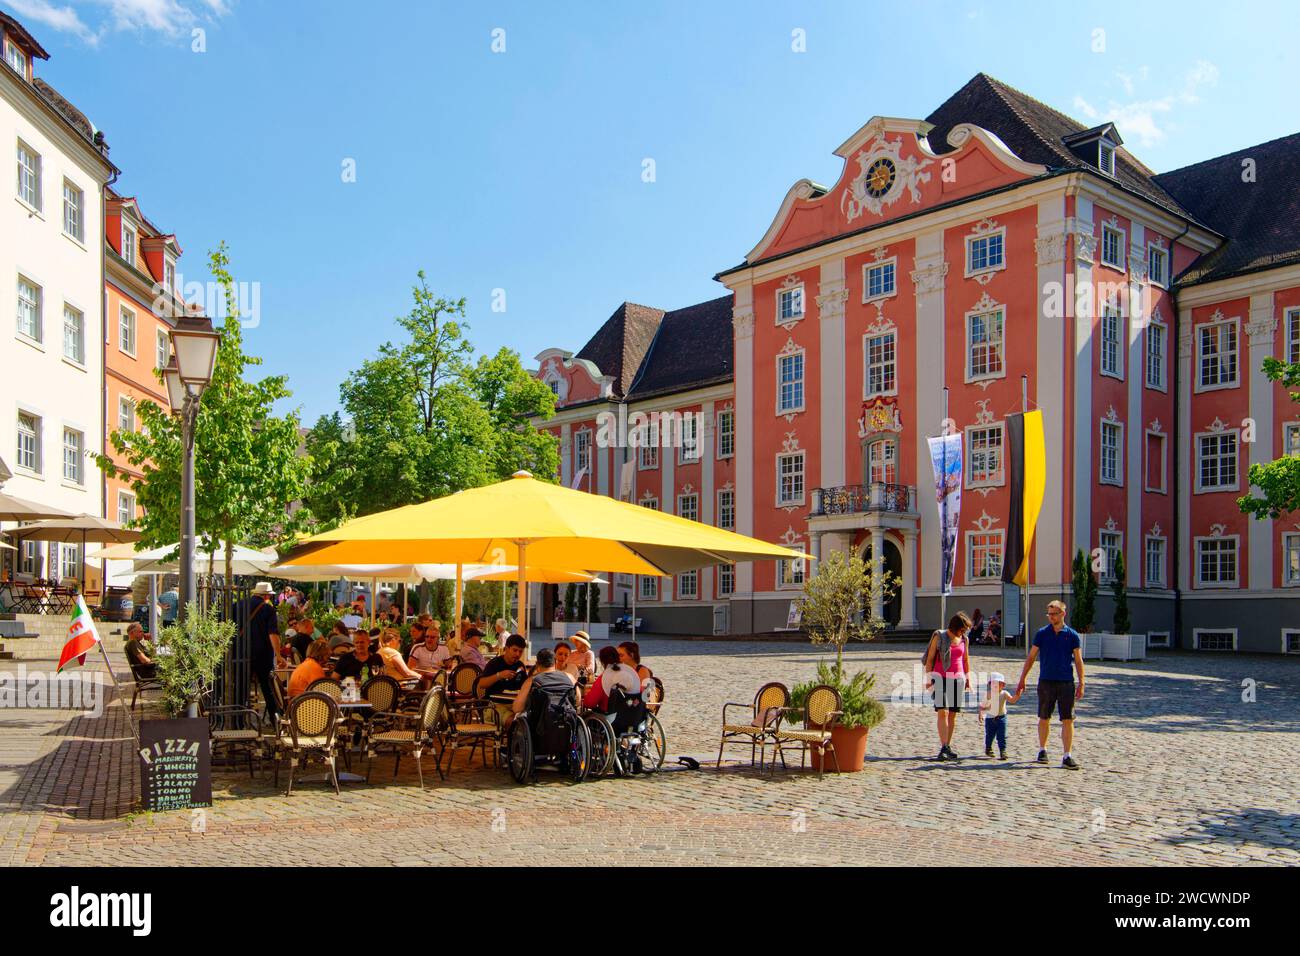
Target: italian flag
{"x": 82, "y": 636}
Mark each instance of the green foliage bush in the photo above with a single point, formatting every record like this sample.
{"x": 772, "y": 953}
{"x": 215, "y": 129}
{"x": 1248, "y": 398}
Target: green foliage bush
{"x": 860, "y": 708}
{"x": 196, "y": 649}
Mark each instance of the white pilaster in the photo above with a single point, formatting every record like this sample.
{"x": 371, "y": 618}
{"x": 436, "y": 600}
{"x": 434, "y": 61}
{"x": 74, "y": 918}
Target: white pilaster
{"x": 1260, "y": 333}
{"x": 1134, "y": 427}
{"x": 566, "y": 456}
{"x": 929, "y": 278}
{"x": 708, "y": 455}
{"x": 830, "y": 308}
{"x": 908, "y": 619}
{"x": 743, "y": 328}
{"x": 1184, "y": 477}
{"x": 1083, "y": 307}
{"x": 877, "y": 567}
{"x": 1049, "y": 387}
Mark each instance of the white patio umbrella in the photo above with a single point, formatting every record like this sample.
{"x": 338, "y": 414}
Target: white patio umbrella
{"x": 77, "y": 529}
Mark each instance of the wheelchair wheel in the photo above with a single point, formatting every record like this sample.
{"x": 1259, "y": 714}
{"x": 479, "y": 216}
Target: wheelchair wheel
{"x": 602, "y": 744}
{"x": 654, "y": 746}
{"x": 579, "y": 755}
{"x": 520, "y": 752}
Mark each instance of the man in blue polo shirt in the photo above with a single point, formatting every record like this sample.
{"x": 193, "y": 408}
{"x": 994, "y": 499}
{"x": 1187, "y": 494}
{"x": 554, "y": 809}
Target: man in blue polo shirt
{"x": 1058, "y": 649}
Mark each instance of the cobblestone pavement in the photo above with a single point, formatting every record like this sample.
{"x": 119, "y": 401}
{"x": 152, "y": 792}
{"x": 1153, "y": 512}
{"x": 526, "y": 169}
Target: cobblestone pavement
{"x": 1178, "y": 769}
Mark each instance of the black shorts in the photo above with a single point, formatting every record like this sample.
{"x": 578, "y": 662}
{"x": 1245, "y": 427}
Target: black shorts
{"x": 1057, "y": 694}
{"x": 948, "y": 692}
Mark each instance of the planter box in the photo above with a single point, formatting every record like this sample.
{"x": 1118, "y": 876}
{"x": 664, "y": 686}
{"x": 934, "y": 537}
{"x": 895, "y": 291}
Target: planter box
{"x": 1091, "y": 646}
{"x": 1124, "y": 647}
{"x": 564, "y": 629}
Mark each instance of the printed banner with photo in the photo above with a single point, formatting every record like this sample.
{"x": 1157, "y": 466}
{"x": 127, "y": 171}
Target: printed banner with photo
{"x": 945, "y": 455}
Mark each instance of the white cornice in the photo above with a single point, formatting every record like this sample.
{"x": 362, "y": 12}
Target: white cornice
{"x": 878, "y": 125}
{"x": 1147, "y": 213}
{"x": 32, "y": 107}
{"x": 1239, "y": 287}
{"x": 803, "y": 189}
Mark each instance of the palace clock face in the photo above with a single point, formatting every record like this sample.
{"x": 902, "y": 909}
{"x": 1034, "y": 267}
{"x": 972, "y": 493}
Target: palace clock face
{"x": 880, "y": 178}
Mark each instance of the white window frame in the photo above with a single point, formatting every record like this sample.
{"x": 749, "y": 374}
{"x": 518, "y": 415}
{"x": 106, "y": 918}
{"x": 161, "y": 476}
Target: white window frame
{"x": 971, "y": 376}
{"x": 790, "y": 575}
{"x": 1121, "y": 247}
{"x": 726, "y": 433}
{"x": 890, "y": 462}
{"x": 37, "y": 433}
{"x": 788, "y": 293}
{"x": 1106, "y": 157}
{"x": 70, "y": 571}
{"x": 1199, "y": 582}
{"x": 125, "y": 506}
{"x": 1198, "y": 631}
{"x": 1291, "y": 438}
{"x": 652, "y": 502}
{"x": 1290, "y": 540}
{"x": 169, "y": 274}
{"x": 77, "y": 325}
{"x": 1147, "y": 580}
{"x": 125, "y": 422}
{"x": 1287, "y": 634}
{"x": 162, "y": 348}
{"x": 726, "y": 580}
{"x": 134, "y": 326}
{"x": 29, "y": 175}
{"x": 1162, "y": 255}
{"x": 1001, "y": 235}
{"x": 74, "y": 211}
{"x": 581, "y": 449}
{"x": 1291, "y": 337}
{"x": 37, "y": 310}
{"x": 888, "y": 369}
{"x": 1163, "y": 489}
{"x": 802, "y": 473}
{"x": 695, "y": 507}
{"x": 16, "y": 57}
{"x": 994, "y": 543}
{"x": 890, "y": 264}
{"x": 994, "y": 479}
{"x": 647, "y": 587}
{"x": 130, "y": 254}
{"x": 1117, "y": 479}
{"x": 1199, "y": 331}
{"x": 647, "y": 452}
{"x": 688, "y": 585}
{"x": 77, "y": 459}
{"x": 1113, "y": 323}
{"x": 1156, "y": 332}
{"x": 1112, "y": 542}
{"x": 689, "y": 450}
{"x": 1198, "y": 456}
{"x": 1158, "y": 639}
{"x": 799, "y": 383}
{"x": 727, "y": 495}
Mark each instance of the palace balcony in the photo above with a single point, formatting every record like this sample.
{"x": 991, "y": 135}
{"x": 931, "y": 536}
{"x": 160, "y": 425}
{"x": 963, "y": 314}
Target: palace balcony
{"x": 864, "y": 499}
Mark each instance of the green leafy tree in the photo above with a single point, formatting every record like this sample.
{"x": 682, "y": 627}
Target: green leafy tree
{"x": 512, "y": 396}
{"x": 1083, "y": 593}
{"x": 332, "y": 472}
{"x": 1123, "y": 623}
{"x": 247, "y": 468}
{"x": 1278, "y": 481}
{"x": 834, "y": 598}
{"x": 593, "y": 598}
{"x": 571, "y": 603}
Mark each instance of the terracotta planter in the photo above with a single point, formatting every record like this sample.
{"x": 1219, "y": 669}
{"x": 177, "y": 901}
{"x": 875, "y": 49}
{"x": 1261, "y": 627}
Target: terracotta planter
{"x": 850, "y": 745}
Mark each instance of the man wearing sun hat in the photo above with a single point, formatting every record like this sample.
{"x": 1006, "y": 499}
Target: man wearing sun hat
{"x": 258, "y": 620}
{"x": 582, "y": 656}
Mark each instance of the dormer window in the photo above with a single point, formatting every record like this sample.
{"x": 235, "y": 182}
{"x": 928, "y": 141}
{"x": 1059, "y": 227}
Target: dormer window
{"x": 1106, "y": 157}
{"x": 169, "y": 274}
{"x": 128, "y": 244}
{"x": 16, "y": 58}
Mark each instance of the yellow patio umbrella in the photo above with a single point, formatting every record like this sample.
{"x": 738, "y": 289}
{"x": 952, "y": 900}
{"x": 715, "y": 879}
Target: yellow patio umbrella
{"x": 529, "y": 523}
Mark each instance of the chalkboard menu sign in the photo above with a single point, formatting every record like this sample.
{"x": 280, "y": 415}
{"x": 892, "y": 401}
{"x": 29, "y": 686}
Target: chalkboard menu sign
{"x": 175, "y": 764}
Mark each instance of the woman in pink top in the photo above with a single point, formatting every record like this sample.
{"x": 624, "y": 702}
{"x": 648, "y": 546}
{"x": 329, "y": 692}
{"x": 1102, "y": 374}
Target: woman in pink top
{"x": 947, "y": 670}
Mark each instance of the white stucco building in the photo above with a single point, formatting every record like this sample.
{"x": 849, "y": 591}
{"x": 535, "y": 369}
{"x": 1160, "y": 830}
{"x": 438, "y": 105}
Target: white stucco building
{"x": 51, "y": 297}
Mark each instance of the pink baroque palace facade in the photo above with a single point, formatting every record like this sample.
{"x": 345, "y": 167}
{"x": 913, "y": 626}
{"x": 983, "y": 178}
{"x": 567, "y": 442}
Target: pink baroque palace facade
{"x": 994, "y": 250}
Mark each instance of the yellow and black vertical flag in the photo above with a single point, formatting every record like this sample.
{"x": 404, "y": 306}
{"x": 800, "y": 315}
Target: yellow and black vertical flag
{"x": 1027, "y": 466}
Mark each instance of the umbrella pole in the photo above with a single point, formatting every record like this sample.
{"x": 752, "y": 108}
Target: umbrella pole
{"x": 153, "y": 607}
{"x": 374, "y": 599}
{"x": 635, "y": 587}
{"x": 523, "y": 593}
{"x": 460, "y": 598}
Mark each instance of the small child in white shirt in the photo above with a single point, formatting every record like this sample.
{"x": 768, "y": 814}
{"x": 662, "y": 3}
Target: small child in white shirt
{"x": 995, "y": 704}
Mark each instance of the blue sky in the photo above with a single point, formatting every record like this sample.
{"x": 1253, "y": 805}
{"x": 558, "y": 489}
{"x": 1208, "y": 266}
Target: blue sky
{"x": 522, "y": 170}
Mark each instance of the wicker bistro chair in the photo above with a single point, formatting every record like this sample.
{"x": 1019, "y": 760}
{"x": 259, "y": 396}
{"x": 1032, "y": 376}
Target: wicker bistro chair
{"x": 413, "y": 734}
{"x": 462, "y": 685}
{"x": 313, "y": 726}
{"x": 474, "y": 723}
{"x": 764, "y": 715}
{"x": 820, "y": 711}
{"x": 142, "y": 684}
{"x": 334, "y": 688}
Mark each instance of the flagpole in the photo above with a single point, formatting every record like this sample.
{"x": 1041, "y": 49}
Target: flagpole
{"x": 1024, "y": 616}
{"x": 943, "y": 586}
{"x": 121, "y": 698}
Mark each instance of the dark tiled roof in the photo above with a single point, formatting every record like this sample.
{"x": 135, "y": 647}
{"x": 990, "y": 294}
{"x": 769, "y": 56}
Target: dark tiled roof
{"x": 1035, "y": 132}
{"x": 620, "y": 344}
{"x": 691, "y": 349}
{"x": 1261, "y": 218}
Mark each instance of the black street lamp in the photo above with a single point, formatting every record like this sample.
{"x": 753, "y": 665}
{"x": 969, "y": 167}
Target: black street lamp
{"x": 194, "y": 356}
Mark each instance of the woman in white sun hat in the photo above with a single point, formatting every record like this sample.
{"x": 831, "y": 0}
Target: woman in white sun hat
{"x": 582, "y": 658}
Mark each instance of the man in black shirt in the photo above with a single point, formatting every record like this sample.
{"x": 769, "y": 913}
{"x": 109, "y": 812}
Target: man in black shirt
{"x": 263, "y": 630}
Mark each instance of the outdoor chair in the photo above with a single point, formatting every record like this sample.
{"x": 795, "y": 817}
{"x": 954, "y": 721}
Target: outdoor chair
{"x": 313, "y": 724}
{"x": 462, "y": 686}
{"x": 383, "y": 694}
{"x": 142, "y": 683}
{"x": 764, "y": 714}
{"x": 421, "y": 732}
{"x": 334, "y": 688}
{"x": 653, "y": 694}
{"x": 474, "y": 723}
{"x": 820, "y": 712}
{"x": 225, "y": 732}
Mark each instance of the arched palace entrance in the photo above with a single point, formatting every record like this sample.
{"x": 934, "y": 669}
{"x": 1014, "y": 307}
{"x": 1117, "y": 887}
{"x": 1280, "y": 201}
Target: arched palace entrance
{"x": 893, "y": 564}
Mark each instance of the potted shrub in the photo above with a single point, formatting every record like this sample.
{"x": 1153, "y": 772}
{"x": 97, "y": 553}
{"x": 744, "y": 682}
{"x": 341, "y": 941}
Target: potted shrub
{"x": 190, "y": 653}
{"x": 836, "y": 606}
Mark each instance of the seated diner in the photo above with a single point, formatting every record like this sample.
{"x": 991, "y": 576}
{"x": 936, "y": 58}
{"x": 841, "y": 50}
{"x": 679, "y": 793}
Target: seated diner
{"x": 613, "y": 674}
{"x": 310, "y": 670}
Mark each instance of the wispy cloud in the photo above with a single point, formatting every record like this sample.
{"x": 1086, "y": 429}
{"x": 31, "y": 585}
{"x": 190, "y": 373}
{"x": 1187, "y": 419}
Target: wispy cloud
{"x": 92, "y": 19}
{"x": 1146, "y": 119}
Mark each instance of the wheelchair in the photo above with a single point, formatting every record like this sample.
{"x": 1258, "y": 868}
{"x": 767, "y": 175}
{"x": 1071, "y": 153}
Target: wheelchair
{"x": 626, "y": 740}
{"x": 549, "y": 731}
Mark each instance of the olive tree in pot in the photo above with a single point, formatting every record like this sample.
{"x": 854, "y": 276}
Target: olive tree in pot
{"x": 837, "y": 607}
{"x": 195, "y": 649}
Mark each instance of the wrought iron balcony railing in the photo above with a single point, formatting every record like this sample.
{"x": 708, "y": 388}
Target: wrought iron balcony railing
{"x": 862, "y": 499}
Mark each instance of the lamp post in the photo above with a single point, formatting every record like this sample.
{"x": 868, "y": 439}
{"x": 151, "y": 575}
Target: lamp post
{"x": 194, "y": 356}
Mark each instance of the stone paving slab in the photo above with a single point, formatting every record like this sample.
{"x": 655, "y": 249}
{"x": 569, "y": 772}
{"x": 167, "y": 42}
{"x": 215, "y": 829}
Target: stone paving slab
{"x": 1178, "y": 770}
